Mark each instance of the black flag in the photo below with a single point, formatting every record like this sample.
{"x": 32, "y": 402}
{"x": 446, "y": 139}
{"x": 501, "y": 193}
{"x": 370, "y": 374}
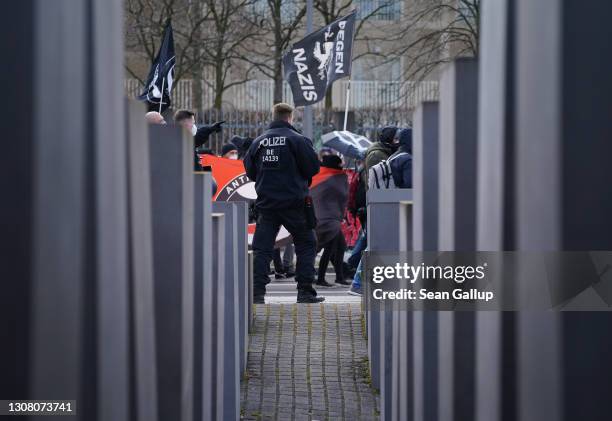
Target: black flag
{"x": 159, "y": 82}
{"x": 315, "y": 62}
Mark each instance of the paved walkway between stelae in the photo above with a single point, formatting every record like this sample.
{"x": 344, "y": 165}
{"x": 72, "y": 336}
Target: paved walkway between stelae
{"x": 308, "y": 362}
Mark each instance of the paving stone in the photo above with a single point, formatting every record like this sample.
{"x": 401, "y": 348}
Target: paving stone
{"x": 306, "y": 363}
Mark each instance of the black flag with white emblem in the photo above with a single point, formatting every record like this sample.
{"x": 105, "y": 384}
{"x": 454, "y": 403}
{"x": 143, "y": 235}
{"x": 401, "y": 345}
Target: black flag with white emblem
{"x": 322, "y": 57}
{"x": 159, "y": 82}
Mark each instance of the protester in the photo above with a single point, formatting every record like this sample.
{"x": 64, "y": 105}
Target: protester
{"x": 357, "y": 193}
{"x": 282, "y": 163}
{"x": 283, "y": 262}
{"x": 277, "y": 260}
{"x": 357, "y": 208}
{"x": 203, "y": 132}
{"x": 288, "y": 255}
{"x": 329, "y": 196}
{"x": 153, "y": 117}
{"x": 229, "y": 151}
{"x": 401, "y": 165}
{"x": 186, "y": 119}
{"x": 387, "y": 144}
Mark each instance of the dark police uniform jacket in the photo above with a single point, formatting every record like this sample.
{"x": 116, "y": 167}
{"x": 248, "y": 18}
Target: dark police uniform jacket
{"x": 281, "y": 162}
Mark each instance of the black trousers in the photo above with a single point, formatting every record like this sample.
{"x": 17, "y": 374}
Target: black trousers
{"x": 268, "y": 225}
{"x": 333, "y": 251}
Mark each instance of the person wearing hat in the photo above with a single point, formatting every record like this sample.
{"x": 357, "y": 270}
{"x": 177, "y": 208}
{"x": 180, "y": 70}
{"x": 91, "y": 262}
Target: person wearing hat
{"x": 387, "y": 144}
{"x": 401, "y": 165}
{"x": 229, "y": 151}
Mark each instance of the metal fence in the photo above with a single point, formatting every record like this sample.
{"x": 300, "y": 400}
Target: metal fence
{"x": 247, "y": 108}
{"x": 258, "y": 95}
{"x": 252, "y": 123}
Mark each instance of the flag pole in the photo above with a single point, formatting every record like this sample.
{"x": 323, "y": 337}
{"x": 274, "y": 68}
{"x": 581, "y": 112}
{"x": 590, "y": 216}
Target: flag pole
{"x": 161, "y": 100}
{"x": 348, "y": 95}
{"x": 308, "y": 120}
{"x": 348, "y": 88}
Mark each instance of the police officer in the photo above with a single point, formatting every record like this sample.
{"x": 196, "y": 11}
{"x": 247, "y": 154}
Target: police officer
{"x": 282, "y": 162}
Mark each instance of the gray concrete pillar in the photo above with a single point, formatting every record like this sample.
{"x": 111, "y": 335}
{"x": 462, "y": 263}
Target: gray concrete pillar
{"x": 106, "y": 90}
{"x": 228, "y": 346}
{"x": 456, "y": 380}
{"x": 202, "y": 297}
{"x": 457, "y": 230}
{"x": 563, "y": 176}
{"x": 496, "y": 143}
{"x": 173, "y": 247}
{"x": 425, "y": 144}
{"x": 250, "y": 295}
{"x": 142, "y": 328}
{"x": 457, "y": 151}
{"x": 383, "y": 207}
{"x": 401, "y": 392}
{"x": 420, "y": 373}
{"x": 18, "y": 185}
{"x": 425, "y": 221}
{"x": 569, "y": 160}
{"x": 242, "y": 266}
{"x": 64, "y": 248}
{"x": 495, "y": 344}
{"x": 212, "y": 388}
{"x": 426, "y": 369}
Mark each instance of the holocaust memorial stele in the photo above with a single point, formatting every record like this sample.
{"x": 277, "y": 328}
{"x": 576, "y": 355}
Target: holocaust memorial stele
{"x": 127, "y": 291}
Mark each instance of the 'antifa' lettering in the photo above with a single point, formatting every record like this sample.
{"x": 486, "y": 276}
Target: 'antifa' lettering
{"x": 235, "y": 184}
{"x": 305, "y": 79}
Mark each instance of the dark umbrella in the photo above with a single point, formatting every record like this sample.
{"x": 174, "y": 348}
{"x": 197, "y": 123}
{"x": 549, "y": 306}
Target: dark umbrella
{"x": 348, "y": 144}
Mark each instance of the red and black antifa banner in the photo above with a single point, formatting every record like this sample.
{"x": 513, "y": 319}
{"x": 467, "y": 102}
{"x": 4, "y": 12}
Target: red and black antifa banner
{"x": 234, "y": 185}
{"x": 322, "y": 57}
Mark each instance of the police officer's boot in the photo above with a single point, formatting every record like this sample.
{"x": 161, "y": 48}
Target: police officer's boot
{"x": 308, "y": 296}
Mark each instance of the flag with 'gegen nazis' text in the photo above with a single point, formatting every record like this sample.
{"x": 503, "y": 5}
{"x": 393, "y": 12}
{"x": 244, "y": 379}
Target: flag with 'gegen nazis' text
{"x": 312, "y": 64}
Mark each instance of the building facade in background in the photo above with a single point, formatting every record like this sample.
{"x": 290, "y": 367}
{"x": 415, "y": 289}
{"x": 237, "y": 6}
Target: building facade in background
{"x": 398, "y": 51}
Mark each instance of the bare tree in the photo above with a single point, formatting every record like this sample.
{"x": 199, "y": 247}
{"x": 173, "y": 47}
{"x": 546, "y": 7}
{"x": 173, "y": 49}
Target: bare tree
{"x": 278, "y": 21}
{"x": 435, "y": 32}
{"x": 145, "y": 21}
{"x": 331, "y": 10}
{"x": 229, "y": 31}
{"x": 144, "y": 27}
{"x": 209, "y": 36}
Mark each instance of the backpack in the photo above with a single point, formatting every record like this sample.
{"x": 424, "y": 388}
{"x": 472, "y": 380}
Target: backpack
{"x": 380, "y": 175}
{"x": 353, "y": 185}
